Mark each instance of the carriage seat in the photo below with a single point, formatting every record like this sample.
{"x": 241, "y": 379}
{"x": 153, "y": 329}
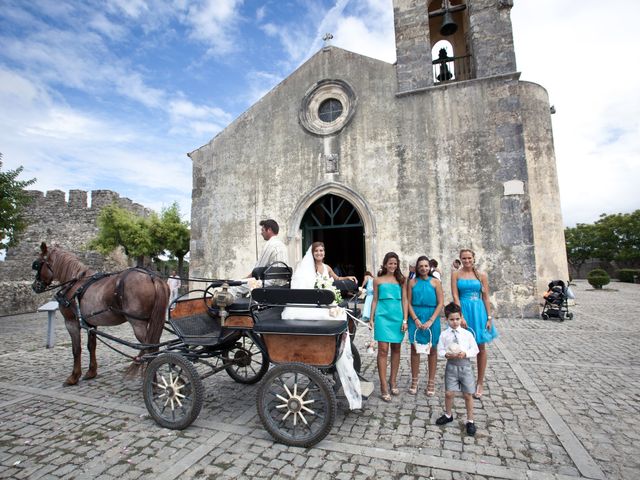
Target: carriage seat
{"x": 276, "y": 275}
{"x": 269, "y": 320}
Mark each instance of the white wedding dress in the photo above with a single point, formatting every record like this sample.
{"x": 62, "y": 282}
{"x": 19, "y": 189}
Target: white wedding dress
{"x": 304, "y": 277}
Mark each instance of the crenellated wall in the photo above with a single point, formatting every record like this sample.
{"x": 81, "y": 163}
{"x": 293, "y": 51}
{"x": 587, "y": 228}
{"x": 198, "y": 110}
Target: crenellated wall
{"x": 55, "y": 220}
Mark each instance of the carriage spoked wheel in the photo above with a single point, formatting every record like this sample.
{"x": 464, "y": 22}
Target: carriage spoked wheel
{"x": 173, "y": 391}
{"x": 250, "y": 363}
{"x": 296, "y": 404}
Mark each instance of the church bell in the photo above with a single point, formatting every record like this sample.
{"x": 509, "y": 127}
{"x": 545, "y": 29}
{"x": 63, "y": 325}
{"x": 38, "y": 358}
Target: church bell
{"x": 449, "y": 27}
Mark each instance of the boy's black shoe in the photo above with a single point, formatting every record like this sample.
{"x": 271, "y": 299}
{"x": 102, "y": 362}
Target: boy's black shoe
{"x": 471, "y": 428}
{"x": 444, "y": 420}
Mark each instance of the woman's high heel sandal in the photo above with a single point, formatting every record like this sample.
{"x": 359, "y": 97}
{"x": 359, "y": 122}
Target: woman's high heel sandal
{"x": 431, "y": 388}
{"x": 394, "y": 389}
{"x": 413, "y": 390}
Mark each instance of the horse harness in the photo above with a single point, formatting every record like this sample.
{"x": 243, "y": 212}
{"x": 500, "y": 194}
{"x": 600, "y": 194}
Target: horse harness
{"x": 64, "y": 301}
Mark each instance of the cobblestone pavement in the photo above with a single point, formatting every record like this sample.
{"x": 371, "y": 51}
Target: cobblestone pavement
{"x": 562, "y": 401}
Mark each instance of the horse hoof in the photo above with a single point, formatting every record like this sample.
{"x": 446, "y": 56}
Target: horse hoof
{"x": 69, "y": 383}
{"x": 89, "y": 376}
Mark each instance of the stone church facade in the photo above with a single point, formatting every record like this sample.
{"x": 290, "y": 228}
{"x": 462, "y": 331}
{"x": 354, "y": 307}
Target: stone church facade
{"x": 437, "y": 152}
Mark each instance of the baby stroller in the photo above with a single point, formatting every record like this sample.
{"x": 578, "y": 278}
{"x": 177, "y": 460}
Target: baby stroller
{"x": 555, "y": 302}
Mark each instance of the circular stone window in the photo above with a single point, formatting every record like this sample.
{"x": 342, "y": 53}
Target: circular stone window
{"x": 327, "y": 107}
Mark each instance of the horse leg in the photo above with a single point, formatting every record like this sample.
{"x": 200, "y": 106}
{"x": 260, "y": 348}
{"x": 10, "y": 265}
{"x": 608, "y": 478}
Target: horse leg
{"x": 140, "y": 331}
{"x": 93, "y": 362}
{"x": 73, "y": 327}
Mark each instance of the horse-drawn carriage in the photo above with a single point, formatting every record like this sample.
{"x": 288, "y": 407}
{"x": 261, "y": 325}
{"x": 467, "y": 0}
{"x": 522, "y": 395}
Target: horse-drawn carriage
{"x": 296, "y": 399}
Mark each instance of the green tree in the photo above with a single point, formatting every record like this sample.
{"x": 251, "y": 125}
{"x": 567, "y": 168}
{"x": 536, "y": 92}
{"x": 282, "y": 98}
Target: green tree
{"x": 611, "y": 237}
{"x": 13, "y": 199}
{"x": 120, "y": 227}
{"x": 619, "y": 236}
{"x": 581, "y": 243}
{"x": 172, "y": 234}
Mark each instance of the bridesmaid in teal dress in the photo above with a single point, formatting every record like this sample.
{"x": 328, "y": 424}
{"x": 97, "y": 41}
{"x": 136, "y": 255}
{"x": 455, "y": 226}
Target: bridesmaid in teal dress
{"x": 470, "y": 289}
{"x": 425, "y": 300}
{"x": 387, "y": 317}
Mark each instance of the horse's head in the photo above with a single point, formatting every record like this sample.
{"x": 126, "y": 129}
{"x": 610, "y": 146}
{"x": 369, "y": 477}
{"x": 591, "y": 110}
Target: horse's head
{"x": 44, "y": 272}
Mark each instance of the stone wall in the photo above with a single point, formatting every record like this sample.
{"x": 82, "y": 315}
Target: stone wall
{"x": 55, "y": 220}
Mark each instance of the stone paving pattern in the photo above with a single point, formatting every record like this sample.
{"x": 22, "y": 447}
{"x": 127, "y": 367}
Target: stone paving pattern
{"x": 562, "y": 401}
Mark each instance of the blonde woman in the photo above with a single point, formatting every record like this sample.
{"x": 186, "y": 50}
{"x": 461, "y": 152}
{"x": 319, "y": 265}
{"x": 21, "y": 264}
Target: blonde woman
{"x": 470, "y": 290}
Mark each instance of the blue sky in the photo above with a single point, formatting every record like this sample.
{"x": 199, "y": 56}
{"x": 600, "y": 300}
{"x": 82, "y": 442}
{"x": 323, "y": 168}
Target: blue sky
{"x": 112, "y": 94}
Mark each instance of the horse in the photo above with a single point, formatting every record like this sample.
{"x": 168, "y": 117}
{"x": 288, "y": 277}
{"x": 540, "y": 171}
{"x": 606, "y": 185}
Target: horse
{"x": 134, "y": 295}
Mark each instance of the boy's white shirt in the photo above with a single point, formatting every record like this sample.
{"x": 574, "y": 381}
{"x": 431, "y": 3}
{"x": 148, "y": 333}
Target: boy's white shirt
{"x": 466, "y": 341}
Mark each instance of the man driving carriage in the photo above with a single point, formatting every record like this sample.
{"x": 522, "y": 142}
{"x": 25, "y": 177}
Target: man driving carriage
{"x": 272, "y": 251}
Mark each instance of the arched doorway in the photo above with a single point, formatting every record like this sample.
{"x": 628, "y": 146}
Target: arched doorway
{"x": 335, "y": 221}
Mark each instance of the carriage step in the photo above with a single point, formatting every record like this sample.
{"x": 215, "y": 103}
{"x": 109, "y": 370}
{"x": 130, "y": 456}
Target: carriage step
{"x": 366, "y": 389}
{"x": 200, "y": 329}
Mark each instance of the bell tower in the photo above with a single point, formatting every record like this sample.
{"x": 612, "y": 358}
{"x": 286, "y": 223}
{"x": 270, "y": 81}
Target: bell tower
{"x": 440, "y": 41}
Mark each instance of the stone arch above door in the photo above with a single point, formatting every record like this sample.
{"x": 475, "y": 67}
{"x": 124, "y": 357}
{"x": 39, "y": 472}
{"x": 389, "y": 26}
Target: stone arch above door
{"x": 294, "y": 234}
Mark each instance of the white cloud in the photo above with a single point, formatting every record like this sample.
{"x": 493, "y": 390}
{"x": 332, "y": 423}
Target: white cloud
{"x": 196, "y": 120}
{"x": 355, "y": 35}
{"x": 101, "y": 24}
{"x": 213, "y": 22}
{"x": 65, "y": 148}
{"x": 132, "y": 8}
{"x": 261, "y": 12}
{"x": 592, "y": 81}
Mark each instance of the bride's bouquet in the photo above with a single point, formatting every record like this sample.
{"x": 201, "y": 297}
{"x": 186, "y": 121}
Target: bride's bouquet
{"x": 326, "y": 283}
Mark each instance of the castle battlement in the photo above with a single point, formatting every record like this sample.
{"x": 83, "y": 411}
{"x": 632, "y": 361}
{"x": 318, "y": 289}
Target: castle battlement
{"x": 54, "y": 200}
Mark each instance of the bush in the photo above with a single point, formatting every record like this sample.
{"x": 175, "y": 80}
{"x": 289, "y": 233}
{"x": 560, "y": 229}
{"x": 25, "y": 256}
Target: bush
{"x": 597, "y": 278}
{"x": 627, "y": 274}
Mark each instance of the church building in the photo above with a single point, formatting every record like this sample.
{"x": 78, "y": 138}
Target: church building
{"x": 443, "y": 150}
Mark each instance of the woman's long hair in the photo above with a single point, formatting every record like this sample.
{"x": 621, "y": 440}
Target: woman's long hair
{"x": 397, "y": 274}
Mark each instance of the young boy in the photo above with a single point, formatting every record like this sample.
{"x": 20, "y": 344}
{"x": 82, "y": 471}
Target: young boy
{"x": 458, "y": 346}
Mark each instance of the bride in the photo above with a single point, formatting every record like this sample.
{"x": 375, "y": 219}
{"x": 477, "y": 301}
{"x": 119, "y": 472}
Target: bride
{"x": 311, "y": 271}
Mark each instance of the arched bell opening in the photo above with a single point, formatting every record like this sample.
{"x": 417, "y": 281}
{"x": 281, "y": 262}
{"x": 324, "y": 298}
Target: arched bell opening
{"x": 333, "y": 220}
{"x": 444, "y": 69}
{"x": 448, "y": 28}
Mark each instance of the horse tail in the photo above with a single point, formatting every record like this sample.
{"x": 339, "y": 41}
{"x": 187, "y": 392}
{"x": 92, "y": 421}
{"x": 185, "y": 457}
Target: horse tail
{"x": 159, "y": 311}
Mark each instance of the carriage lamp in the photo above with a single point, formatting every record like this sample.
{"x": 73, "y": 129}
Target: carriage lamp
{"x": 222, "y": 298}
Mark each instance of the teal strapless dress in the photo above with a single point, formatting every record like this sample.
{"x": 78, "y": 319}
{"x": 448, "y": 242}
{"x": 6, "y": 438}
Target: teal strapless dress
{"x": 388, "y": 314}
{"x": 424, "y": 302}
{"x": 473, "y": 311}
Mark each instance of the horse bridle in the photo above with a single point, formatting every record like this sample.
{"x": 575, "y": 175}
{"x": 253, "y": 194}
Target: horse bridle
{"x": 38, "y": 285}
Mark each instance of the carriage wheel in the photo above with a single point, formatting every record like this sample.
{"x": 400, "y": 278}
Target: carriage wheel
{"x": 570, "y": 315}
{"x": 173, "y": 391}
{"x": 545, "y": 316}
{"x": 296, "y": 404}
{"x": 250, "y": 362}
